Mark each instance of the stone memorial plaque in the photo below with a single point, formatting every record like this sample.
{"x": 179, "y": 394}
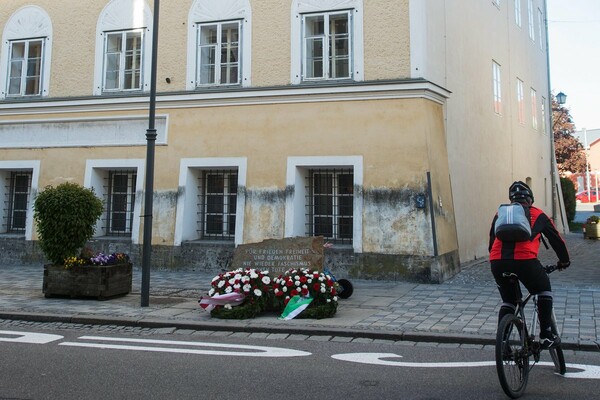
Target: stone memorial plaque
{"x": 279, "y": 255}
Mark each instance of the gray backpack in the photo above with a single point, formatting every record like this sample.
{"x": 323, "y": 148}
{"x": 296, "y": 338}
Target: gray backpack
{"x": 513, "y": 223}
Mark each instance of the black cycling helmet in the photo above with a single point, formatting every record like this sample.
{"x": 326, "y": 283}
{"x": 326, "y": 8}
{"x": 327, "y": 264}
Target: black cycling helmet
{"x": 521, "y": 193}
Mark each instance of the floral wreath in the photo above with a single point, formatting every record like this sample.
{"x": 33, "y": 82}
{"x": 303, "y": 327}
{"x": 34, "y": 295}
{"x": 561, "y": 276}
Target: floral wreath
{"x": 307, "y": 283}
{"x": 245, "y": 288}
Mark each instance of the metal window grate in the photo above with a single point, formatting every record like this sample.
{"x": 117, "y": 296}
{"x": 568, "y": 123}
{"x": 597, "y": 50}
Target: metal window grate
{"x": 217, "y": 204}
{"x": 330, "y": 204}
{"x": 119, "y": 199}
{"x": 17, "y": 201}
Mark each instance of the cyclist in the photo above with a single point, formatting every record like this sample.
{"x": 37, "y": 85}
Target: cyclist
{"x": 521, "y": 258}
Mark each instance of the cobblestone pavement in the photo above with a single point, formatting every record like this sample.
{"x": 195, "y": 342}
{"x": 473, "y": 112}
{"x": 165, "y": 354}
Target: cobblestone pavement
{"x": 460, "y": 311}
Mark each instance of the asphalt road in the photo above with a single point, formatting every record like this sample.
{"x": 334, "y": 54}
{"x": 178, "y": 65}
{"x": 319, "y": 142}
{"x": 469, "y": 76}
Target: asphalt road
{"x": 75, "y": 364}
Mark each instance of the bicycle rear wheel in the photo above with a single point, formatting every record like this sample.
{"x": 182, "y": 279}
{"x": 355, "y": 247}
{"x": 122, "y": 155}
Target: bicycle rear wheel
{"x": 512, "y": 356}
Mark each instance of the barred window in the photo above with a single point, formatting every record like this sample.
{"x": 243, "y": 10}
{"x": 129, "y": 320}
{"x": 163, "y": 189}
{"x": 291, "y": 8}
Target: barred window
{"x": 17, "y": 201}
{"x": 120, "y": 199}
{"x": 330, "y": 204}
{"x": 217, "y": 204}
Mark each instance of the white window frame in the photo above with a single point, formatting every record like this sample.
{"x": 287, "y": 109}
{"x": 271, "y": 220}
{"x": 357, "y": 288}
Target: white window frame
{"x": 302, "y": 7}
{"x": 497, "y": 87}
{"x": 219, "y": 11}
{"x": 531, "y": 20}
{"x": 496, "y": 3}
{"x": 6, "y": 167}
{"x": 123, "y": 54}
{"x": 534, "y": 116}
{"x": 295, "y": 205}
{"x": 95, "y": 173}
{"x": 521, "y": 101}
{"x": 187, "y": 202}
{"x": 327, "y": 39}
{"x": 518, "y": 18}
{"x": 219, "y": 46}
{"x": 123, "y": 15}
{"x": 27, "y": 24}
{"x": 24, "y": 71}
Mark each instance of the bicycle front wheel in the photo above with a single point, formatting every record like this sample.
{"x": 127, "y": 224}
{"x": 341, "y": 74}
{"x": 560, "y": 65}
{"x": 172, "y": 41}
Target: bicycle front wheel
{"x": 512, "y": 356}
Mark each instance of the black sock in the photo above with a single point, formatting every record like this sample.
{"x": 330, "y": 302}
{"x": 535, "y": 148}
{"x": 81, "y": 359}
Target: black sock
{"x": 545, "y": 313}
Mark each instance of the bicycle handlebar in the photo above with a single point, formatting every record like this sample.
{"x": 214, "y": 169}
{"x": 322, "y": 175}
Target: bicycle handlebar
{"x": 550, "y": 268}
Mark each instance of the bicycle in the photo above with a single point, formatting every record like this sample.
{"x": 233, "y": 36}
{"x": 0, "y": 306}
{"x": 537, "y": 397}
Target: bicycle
{"x": 515, "y": 343}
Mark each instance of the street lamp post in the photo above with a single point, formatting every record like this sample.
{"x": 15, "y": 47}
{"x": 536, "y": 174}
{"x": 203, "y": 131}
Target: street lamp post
{"x": 561, "y": 99}
{"x": 587, "y": 165}
{"x": 150, "y": 144}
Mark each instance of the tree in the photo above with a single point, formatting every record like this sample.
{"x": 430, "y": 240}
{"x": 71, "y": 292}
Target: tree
{"x": 570, "y": 154}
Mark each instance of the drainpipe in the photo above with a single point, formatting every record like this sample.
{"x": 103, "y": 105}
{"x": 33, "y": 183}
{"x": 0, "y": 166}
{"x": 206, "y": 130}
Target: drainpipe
{"x": 430, "y": 196}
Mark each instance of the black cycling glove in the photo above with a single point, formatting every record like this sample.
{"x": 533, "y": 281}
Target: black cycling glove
{"x": 563, "y": 265}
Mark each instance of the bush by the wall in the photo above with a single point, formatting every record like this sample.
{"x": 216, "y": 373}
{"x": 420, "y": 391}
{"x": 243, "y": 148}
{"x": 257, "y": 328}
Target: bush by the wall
{"x": 65, "y": 216}
{"x": 568, "y": 192}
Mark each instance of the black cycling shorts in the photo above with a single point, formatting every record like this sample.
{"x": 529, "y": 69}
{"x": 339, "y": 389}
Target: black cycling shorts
{"x": 531, "y": 273}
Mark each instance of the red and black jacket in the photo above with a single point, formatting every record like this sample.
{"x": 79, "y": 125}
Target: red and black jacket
{"x": 540, "y": 224}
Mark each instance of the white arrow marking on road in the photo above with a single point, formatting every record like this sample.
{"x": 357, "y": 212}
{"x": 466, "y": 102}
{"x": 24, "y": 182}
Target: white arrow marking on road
{"x": 376, "y": 358}
{"x": 28, "y": 337}
{"x": 252, "y": 351}
{"x": 587, "y": 371}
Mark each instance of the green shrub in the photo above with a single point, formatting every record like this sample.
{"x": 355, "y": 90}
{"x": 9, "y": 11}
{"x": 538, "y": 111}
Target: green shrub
{"x": 568, "y": 192}
{"x": 65, "y": 216}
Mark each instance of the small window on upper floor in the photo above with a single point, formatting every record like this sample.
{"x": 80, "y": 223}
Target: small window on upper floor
{"x": 497, "y": 87}
{"x": 518, "y": 13}
{"x": 25, "y": 67}
{"x": 530, "y": 20}
{"x": 123, "y": 47}
{"x": 496, "y": 3}
{"x": 534, "y": 114}
{"x": 327, "y": 44}
{"x": 520, "y": 102}
{"x": 219, "y": 44}
{"x": 327, "y": 40}
{"x": 26, "y": 50}
{"x": 219, "y": 53}
{"x": 123, "y": 60}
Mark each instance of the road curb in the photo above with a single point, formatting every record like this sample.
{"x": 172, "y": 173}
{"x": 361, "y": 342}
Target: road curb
{"x": 236, "y": 326}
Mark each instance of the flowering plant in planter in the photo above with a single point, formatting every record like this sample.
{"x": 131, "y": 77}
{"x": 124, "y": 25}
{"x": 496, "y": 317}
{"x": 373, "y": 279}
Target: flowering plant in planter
{"x": 594, "y": 219}
{"x": 88, "y": 258}
{"x": 307, "y": 283}
{"x": 239, "y": 294}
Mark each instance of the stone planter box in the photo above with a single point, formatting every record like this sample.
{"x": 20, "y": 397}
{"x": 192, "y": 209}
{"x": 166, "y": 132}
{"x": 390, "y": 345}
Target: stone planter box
{"x": 592, "y": 231}
{"x": 97, "y": 281}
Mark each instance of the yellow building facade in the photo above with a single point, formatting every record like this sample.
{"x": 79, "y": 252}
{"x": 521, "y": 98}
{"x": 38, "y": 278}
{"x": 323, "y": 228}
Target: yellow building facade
{"x": 372, "y": 123}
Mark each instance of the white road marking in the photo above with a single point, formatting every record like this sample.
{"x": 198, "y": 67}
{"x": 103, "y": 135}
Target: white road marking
{"x": 585, "y": 371}
{"x": 376, "y": 359}
{"x": 250, "y": 351}
{"x": 28, "y": 337}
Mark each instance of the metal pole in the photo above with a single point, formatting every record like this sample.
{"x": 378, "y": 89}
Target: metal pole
{"x": 587, "y": 166}
{"x": 150, "y": 142}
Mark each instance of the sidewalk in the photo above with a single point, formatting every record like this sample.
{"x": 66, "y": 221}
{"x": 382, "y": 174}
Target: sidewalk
{"x": 461, "y": 310}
